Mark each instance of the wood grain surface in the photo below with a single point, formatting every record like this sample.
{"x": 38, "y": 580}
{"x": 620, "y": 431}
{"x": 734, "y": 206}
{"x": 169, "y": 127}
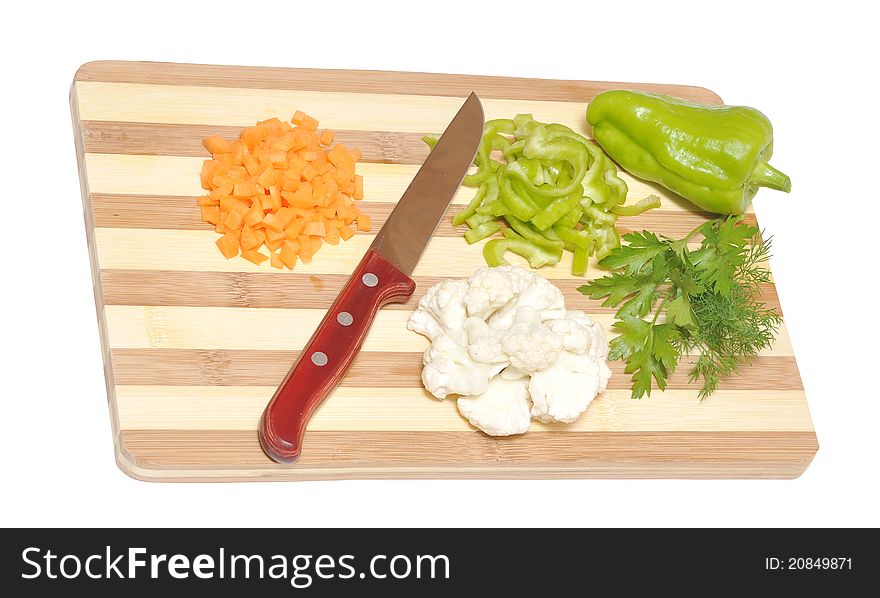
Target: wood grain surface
{"x": 194, "y": 345}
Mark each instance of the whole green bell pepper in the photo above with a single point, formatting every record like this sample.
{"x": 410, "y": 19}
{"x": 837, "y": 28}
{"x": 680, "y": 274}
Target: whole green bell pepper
{"x": 714, "y": 156}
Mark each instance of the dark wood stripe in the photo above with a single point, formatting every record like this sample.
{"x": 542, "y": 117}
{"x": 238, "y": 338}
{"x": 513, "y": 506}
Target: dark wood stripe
{"x": 594, "y": 454}
{"x": 356, "y": 81}
{"x": 181, "y": 212}
{"x": 280, "y": 289}
{"x": 215, "y": 367}
{"x": 110, "y": 137}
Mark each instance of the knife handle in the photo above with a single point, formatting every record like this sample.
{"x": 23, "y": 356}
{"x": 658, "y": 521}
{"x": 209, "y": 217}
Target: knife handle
{"x": 329, "y": 353}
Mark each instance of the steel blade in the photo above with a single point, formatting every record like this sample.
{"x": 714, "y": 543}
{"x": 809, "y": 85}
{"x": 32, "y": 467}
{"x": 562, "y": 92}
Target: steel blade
{"x": 415, "y": 217}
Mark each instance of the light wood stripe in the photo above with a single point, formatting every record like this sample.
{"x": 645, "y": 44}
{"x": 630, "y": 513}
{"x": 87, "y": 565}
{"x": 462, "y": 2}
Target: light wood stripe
{"x": 398, "y": 409}
{"x": 223, "y": 367}
{"x": 229, "y": 106}
{"x": 182, "y": 213}
{"x": 127, "y": 174}
{"x": 195, "y": 250}
{"x": 282, "y": 289}
{"x": 161, "y": 139}
{"x": 152, "y": 327}
{"x": 385, "y": 82}
{"x": 171, "y": 455}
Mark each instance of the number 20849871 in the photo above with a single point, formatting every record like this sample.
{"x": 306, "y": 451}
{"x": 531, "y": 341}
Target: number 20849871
{"x": 808, "y": 563}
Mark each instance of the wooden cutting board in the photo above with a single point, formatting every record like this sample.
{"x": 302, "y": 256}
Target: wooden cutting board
{"x": 194, "y": 345}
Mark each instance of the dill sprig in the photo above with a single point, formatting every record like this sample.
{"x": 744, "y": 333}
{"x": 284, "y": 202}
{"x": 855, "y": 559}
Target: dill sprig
{"x": 704, "y": 301}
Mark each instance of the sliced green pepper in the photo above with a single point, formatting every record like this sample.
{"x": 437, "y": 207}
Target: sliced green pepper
{"x": 530, "y": 234}
{"x": 649, "y": 203}
{"x": 494, "y": 250}
{"x": 481, "y": 231}
{"x": 579, "y": 261}
{"x": 555, "y": 210}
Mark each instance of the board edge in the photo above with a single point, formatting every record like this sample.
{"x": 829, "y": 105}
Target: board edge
{"x": 174, "y": 73}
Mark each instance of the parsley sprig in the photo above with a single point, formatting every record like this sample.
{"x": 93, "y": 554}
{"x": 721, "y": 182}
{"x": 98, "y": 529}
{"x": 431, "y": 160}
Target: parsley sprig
{"x": 704, "y": 300}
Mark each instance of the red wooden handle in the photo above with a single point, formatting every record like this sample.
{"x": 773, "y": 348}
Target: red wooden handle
{"x": 329, "y": 353}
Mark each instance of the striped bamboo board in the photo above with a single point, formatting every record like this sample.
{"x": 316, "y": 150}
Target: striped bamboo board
{"x": 194, "y": 345}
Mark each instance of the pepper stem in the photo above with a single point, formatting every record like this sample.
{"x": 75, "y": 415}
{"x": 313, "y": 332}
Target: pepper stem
{"x": 764, "y": 175}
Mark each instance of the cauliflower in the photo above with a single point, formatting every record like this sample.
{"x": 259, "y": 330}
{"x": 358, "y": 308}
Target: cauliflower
{"x": 441, "y": 309}
{"x": 563, "y": 391}
{"x": 530, "y": 345}
{"x": 502, "y": 410}
{"x": 450, "y": 370}
{"x": 503, "y": 341}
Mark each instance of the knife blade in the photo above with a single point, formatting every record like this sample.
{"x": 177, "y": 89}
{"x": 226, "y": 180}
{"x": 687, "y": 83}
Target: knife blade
{"x": 381, "y": 277}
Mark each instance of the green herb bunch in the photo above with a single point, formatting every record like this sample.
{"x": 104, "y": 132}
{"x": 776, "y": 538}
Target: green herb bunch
{"x": 704, "y": 301}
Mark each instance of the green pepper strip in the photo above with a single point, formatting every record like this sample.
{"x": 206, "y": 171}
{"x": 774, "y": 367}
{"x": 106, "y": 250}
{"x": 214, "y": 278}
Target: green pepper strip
{"x": 649, "y": 203}
{"x": 595, "y": 215}
{"x": 493, "y": 139}
{"x": 482, "y": 231}
{"x": 509, "y": 233}
{"x": 578, "y": 238}
{"x": 555, "y": 210}
{"x": 478, "y": 219}
{"x": 519, "y": 205}
{"x": 495, "y": 208}
{"x": 494, "y": 250}
{"x": 488, "y": 192}
{"x": 579, "y": 261}
{"x": 530, "y": 234}
{"x": 573, "y": 216}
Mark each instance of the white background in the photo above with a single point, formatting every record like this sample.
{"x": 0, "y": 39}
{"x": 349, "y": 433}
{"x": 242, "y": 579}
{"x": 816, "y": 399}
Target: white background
{"x": 812, "y": 70}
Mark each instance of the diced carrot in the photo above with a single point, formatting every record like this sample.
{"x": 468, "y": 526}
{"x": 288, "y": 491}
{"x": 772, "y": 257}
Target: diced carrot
{"x": 211, "y": 214}
{"x": 228, "y": 245}
{"x": 294, "y": 228}
{"x": 332, "y": 236}
{"x": 315, "y": 228}
{"x": 309, "y": 172}
{"x": 232, "y": 204}
{"x": 248, "y": 238}
{"x": 283, "y": 186}
{"x": 364, "y": 223}
{"x": 268, "y": 178}
{"x": 356, "y": 154}
{"x": 288, "y": 254}
{"x": 254, "y": 214}
{"x": 274, "y": 234}
{"x": 254, "y": 256}
{"x": 308, "y": 123}
{"x": 274, "y": 245}
{"x": 346, "y": 233}
{"x": 217, "y": 145}
{"x": 275, "y": 260}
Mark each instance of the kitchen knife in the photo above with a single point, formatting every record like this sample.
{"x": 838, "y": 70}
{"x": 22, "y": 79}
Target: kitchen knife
{"x": 382, "y": 276}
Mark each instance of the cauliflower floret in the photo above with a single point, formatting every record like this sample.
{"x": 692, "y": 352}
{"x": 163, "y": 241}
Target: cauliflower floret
{"x": 448, "y": 369}
{"x": 502, "y": 410}
{"x": 575, "y": 335}
{"x": 599, "y": 344}
{"x": 539, "y": 294}
{"x": 565, "y": 390}
{"x": 425, "y": 324}
{"x": 510, "y": 321}
{"x": 529, "y": 344}
{"x": 443, "y": 302}
{"x": 490, "y": 289}
{"x": 484, "y": 343}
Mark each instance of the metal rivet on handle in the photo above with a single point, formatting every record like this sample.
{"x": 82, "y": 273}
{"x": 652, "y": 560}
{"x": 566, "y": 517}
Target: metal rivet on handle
{"x": 370, "y": 279}
{"x": 344, "y": 318}
{"x": 319, "y": 358}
